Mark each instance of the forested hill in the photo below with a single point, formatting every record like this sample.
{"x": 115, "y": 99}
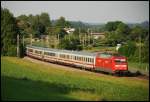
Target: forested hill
{"x": 144, "y": 24}
{"x": 100, "y": 26}
{"x": 80, "y": 24}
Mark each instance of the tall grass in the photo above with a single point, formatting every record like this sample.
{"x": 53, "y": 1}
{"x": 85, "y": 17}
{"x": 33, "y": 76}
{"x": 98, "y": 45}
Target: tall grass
{"x": 142, "y": 67}
{"x": 44, "y": 82}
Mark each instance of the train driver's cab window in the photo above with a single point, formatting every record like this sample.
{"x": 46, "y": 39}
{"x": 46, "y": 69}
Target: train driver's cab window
{"x": 120, "y": 60}
{"x": 105, "y": 55}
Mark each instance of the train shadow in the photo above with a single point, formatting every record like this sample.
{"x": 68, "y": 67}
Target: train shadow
{"x": 134, "y": 74}
{"x": 127, "y": 74}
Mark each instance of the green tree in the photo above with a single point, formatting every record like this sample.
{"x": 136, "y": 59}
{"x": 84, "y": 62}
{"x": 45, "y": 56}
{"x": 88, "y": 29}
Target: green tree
{"x": 23, "y": 25}
{"x": 123, "y": 29}
{"x": 137, "y": 32}
{"x": 37, "y": 23}
{"x": 128, "y": 50}
{"x": 112, "y": 25}
{"x": 76, "y": 32}
{"x": 117, "y": 33}
{"x": 62, "y": 23}
{"x": 113, "y": 38}
{"x": 45, "y": 19}
{"x": 9, "y": 33}
{"x": 145, "y": 51}
{"x": 45, "y": 23}
{"x": 70, "y": 42}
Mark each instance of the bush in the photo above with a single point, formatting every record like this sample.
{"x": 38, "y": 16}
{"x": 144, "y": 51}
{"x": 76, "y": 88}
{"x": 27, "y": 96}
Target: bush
{"x": 12, "y": 50}
{"x": 22, "y": 51}
{"x": 128, "y": 50}
{"x": 131, "y": 51}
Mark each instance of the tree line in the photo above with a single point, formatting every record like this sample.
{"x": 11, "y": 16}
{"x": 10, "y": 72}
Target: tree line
{"x": 134, "y": 40}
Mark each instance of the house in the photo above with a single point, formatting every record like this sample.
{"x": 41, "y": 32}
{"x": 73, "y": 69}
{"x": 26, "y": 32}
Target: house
{"x": 44, "y": 37}
{"x": 97, "y": 35}
{"x": 69, "y": 30}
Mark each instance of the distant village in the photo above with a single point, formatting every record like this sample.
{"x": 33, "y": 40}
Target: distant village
{"x": 95, "y": 35}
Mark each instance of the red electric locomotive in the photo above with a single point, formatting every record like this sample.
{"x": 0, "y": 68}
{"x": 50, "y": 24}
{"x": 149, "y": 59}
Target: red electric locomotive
{"x": 111, "y": 62}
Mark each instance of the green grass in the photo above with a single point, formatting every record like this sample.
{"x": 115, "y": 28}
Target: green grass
{"x": 40, "y": 43}
{"x": 101, "y": 48}
{"x": 25, "y": 80}
{"x": 142, "y": 67}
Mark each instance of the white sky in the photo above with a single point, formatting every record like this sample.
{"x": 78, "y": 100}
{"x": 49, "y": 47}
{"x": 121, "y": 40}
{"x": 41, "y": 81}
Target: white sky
{"x": 86, "y": 11}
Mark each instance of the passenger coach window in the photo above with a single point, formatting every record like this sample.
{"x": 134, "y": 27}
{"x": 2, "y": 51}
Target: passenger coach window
{"x": 62, "y": 56}
{"x": 89, "y": 59}
{"x": 86, "y": 59}
{"x": 75, "y": 57}
{"x": 92, "y": 60}
{"x": 67, "y": 56}
{"x": 30, "y": 50}
{"x": 49, "y": 53}
{"x": 38, "y": 52}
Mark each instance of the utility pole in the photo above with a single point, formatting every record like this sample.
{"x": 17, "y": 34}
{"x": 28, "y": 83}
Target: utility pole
{"x": 69, "y": 37}
{"x": 18, "y": 45}
{"x": 92, "y": 37}
{"x": 140, "y": 51}
{"x": 85, "y": 39}
{"x": 55, "y": 38}
{"x": 58, "y": 39}
{"x": 80, "y": 36}
{"x": 47, "y": 41}
{"x": 23, "y": 40}
{"x": 88, "y": 37}
{"x": 31, "y": 39}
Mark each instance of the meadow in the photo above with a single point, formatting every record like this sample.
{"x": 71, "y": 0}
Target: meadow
{"x": 22, "y": 79}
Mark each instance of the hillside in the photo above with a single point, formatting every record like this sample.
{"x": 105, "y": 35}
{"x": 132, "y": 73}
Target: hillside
{"x": 23, "y": 79}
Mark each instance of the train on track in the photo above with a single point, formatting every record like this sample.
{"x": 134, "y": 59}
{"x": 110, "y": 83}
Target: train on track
{"x": 103, "y": 61}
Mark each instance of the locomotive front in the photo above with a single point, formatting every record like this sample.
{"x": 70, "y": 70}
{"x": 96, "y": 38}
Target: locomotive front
{"x": 120, "y": 64}
{"x": 111, "y": 63}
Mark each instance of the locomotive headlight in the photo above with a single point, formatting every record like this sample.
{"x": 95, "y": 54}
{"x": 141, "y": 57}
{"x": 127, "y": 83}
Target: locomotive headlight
{"x": 117, "y": 65}
{"x": 124, "y": 65}
{"x": 120, "y": 65}
{"x": 123, "y": 60}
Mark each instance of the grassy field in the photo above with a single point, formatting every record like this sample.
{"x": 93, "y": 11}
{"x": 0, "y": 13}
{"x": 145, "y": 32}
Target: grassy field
{"x": 25, "y": 80}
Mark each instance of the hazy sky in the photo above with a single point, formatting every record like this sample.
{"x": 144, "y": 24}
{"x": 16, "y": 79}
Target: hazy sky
{"x": 86, "y": 11}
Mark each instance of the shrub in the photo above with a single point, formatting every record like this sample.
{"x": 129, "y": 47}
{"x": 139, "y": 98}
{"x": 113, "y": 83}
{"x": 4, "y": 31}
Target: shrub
{"x": 128, "y": 50}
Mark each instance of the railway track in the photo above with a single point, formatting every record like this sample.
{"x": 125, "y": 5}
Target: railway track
{"x": 138, "y": 74}
{"x": 143, "y": 77}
